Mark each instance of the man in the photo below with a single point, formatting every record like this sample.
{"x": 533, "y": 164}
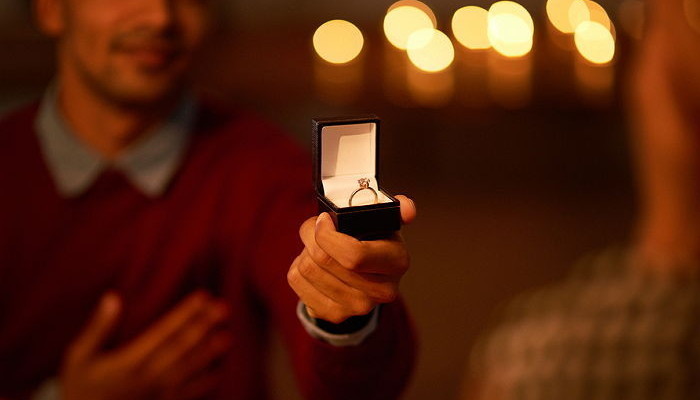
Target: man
{"x": 625, "y": 324}
{"x": 147, "y": 239}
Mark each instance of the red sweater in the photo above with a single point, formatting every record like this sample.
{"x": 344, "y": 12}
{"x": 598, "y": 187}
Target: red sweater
{"x": 228, "y": 222}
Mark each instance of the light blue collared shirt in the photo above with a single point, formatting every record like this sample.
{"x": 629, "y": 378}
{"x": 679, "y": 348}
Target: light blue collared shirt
{"x": 149, "y": 163}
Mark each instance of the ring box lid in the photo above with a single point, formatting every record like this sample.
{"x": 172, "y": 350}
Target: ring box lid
{"x": 345, "y": 150}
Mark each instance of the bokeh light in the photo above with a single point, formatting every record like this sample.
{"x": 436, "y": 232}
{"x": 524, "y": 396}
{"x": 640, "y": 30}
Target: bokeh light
{"x": 566, "y": 15}
{"x": 594, "y": 42}
{"x": 417, "y": 4}
{"x": 598, "y": 14}
{"x": 558, "y": 14}
{"x": 512, "y": 8}
{"x": 578, "y": 13}
{"x": 510, "y": 29}
{"x": 402, "y": 21}
{"x": 470, "y": 27}
{"x": 430, "y": 50}
{"x": 338, "y": 41}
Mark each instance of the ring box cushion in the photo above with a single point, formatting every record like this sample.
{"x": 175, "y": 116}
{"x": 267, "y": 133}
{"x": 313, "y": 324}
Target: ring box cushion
{"x": 346, "y": 149}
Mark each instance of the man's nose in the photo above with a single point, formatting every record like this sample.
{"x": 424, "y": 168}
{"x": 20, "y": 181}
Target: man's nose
{"x": 157, "y": 13}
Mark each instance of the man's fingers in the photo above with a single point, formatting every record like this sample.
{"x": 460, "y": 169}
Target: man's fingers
{"x": 408, "y": 209}
{"x": 388, "y": 256}
{"x": 379, "y": 288}
{"x": 169, "y": 325}
{"x": 100, "y": 325}
{"x": 198, "y": 361}
{"x": 321, "y": 305}
{"x": 307, "y": 233}
{"x": 341, "y": 247}
{"x": 356, "y": 301}
{"x": 191, "y": 338}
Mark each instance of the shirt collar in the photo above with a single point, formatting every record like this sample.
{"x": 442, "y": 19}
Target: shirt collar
{"x": 149, "y": 163}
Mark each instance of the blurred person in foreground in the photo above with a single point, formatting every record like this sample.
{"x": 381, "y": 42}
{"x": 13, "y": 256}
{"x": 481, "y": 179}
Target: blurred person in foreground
{"x": 148, "y": 237}
{"x": 626, "y": 322}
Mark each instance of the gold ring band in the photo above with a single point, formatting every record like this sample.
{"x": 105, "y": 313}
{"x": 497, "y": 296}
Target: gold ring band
{"x": 364, "y": 185}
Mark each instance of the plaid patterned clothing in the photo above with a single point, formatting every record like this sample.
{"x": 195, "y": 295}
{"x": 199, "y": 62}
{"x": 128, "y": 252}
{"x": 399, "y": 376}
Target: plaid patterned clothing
{"x": 612, "y": 330}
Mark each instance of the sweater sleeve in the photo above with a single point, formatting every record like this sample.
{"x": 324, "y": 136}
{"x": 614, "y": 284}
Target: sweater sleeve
{"x": 380, "y": 366}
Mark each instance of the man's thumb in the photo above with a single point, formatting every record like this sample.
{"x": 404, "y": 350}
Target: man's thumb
{"x": 99, "y": 326}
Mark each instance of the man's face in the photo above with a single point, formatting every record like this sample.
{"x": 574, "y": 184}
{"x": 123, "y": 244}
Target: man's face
{"x": 132, "y": 52}
{"x": 680, "y": 22}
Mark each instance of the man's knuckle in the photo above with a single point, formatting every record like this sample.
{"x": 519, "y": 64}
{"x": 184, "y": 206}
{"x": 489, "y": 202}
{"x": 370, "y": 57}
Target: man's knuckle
{"x": 307, "y": 269}
{"x": 332, "y": 311}
{"x": 356, "y": 260}
{"x": 326, "y": 258}
{"x": 293, "y": 276}
{"x": 336, "y": 316}
{"x": 328, "y": 305}
{"x": 362, "y": 308}
{"x": 320, "y": 256}
{"x": 386, "y": 294}
{"x": 303, "y": 228}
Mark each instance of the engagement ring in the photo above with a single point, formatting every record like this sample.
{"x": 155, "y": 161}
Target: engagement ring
{"x": 364, "y": 185}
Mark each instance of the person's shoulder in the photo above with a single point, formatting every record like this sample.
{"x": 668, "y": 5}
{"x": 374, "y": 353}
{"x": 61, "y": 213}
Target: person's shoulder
{"x": 550, "y": 320}
{"x": 588, "y": 277}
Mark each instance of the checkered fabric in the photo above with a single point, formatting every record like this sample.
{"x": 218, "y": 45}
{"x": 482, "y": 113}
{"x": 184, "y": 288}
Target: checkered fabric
{"x": 611, "y": 330}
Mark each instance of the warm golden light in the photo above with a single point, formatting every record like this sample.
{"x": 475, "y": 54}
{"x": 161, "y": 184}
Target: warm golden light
{"x": 587, "y": 10}
{"x": 338, "y": 41}
{"x": 432, "y": 90}
{"x": 401, "y": 22}
{"x": 417, "y": 4}
{"x": 470, "y": 27}
{"x": 566, "y": 15}
{"x": 594, "y": 83}
{"x": 578, "y": 13}
{"x": 510, "y": 81}
{"x": 598, "y": 14}
{"x": 510, "y": 29}
{"x": 512, "y": 8}
{"x": 430, "y": 50}
{"x": 558, "y": 14}
{"x": 594, "y": 42}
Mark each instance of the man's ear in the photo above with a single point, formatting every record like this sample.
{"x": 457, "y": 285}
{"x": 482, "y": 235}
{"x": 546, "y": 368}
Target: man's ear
{"x": 49, "y": 16}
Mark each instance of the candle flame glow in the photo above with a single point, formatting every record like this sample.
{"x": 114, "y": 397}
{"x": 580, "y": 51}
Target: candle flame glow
{"x": 402, "y": 21}
{"x": 338, "y": 41}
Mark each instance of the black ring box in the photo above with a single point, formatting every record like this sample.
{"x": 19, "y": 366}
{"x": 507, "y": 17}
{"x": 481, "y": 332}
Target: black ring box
{"x": 346, "y": 149}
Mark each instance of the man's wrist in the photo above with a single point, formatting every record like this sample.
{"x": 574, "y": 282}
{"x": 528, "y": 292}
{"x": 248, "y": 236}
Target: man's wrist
{"x": 348, "y": 333}
{"x": 349, "y": 326}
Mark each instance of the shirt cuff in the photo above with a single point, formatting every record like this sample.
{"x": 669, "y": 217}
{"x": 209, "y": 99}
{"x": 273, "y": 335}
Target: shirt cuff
{"x": 339, "y": 340}
{"x": 47, "y": 391}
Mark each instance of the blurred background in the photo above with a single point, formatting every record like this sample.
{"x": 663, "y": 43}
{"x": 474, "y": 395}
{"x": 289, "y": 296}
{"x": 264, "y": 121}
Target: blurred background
{"x": 506, "y": 125}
